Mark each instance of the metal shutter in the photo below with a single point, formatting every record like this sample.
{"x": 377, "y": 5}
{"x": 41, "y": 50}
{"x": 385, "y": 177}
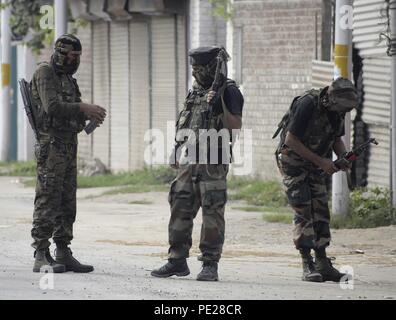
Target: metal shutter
{"x": 182, "y": 60}
{"x": 119, "y": 83}
{"x": 164, "y": 93}
{"x": 101, "y": 89}
{"x": 376, "y": 113}
{"x": 139, "y": 91}
{"x": 369, "y": 22}
{"x": 322, "y": 73}
{"x": 84, "y": 80}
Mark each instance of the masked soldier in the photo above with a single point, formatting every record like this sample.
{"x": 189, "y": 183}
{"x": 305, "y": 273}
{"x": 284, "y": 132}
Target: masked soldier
{"x": 312, "y": 128}
{"x": 62, "y": 115}
{"x": 214, "y": 103}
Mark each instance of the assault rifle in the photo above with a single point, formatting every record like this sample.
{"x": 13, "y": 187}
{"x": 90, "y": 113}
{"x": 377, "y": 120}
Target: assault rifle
{"x": 219, "y": 82}
{"x": 353, "y": 155}
{"x": 30, "y": 106}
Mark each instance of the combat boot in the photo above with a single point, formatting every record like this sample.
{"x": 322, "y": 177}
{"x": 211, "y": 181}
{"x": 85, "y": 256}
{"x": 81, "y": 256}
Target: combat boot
{"x": 43, "y": 262}
{"x": 324, "y": 266}
{"x": 174, "y": 267}
{"x": 309, "y": 271}
{"x": 208, "y": 272}
{"x": 64, "y": 256}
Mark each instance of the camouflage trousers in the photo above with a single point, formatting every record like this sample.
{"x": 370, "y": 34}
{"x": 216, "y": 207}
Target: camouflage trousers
{"x": 198, "y": 186}
{"x": 306, "y": 191}
{"x": 55, "y": 201}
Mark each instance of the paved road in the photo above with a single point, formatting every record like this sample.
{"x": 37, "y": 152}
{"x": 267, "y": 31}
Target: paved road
{"x": 124, "y": 241}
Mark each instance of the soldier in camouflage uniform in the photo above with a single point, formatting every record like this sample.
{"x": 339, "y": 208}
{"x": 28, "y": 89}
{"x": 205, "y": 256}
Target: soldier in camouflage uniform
{"x": 311, "y": 130}
{"x": 61, "y": 117}
{"x": 202, "y": 185}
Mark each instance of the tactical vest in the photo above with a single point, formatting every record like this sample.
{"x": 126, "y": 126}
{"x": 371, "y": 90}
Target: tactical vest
{"x": 194, "y": 111}
{"x": 320, "y": 133}
{"x": 67, "y": 91}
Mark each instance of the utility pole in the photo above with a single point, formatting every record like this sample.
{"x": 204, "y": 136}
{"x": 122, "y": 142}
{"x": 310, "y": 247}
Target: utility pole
{"x": 342, "y": 68}
{"x": 25, "y": 69}
{"x": 5, "y": 116}
{"x": 392, "y": 53}
{"x": 60, "y": 18}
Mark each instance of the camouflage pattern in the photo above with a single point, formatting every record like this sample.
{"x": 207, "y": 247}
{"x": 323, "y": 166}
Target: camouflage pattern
{"x": 56, "y": 152}
{"x": 55, "y": 201}
{"x": 192, "y": 117}
{"x": 307, "y": 195}
{"x": 320, "y": 135}
{"x": 305, "y": 187}
{"x": 58, "y": 97}
{"x": 198, "y": 186}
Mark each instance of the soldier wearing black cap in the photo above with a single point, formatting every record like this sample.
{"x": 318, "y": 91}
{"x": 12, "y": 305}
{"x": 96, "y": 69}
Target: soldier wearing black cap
{"x": 214, "y": 103}
{"x": 62, "y": 116}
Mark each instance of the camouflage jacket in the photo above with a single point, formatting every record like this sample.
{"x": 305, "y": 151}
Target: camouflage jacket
{"x": 58, "y": 97}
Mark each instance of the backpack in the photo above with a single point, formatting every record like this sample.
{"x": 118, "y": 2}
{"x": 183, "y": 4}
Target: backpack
{"x": 313, "y": 94}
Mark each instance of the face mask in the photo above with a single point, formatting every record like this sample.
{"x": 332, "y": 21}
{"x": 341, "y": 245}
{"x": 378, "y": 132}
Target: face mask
{"x": 342, "y": 102}
{"x": 71, "y": 67}
{"x": 203, "y": 76}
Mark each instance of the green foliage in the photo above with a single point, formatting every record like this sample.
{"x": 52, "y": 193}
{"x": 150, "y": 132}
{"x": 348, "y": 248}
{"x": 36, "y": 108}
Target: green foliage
{"x": 139, "y": 178}
{"x": 369, "y": 208}
{"x": 280, "y": 217}
{"x": 20, "y": 169}
{"x": 25, "y": 19}
{"x": 222, "y": 9}
{"x": 257, "y": 192}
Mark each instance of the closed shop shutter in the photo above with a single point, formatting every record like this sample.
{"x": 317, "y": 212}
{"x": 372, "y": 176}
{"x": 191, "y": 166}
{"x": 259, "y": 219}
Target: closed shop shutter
{"x": 182, "y": 60}
{"x": 376, "y": 113}
{"x": 369, "y": 23}
{"x": 119, "y": 97}
{"x": 101, "y": 89}
{"x": 164, "y": 73}
{"x": 84, "y": 80}
{"x": 139, "y": 91}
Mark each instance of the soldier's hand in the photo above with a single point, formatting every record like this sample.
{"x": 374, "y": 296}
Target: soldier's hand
{"x": 93, "y": 112}
{"x": 210, "y": 96}
{"x": 328, "y": 166}
{"x": 174, "y": 165}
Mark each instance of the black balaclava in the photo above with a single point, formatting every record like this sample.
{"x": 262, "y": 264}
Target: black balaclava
{"x": 341, "y": 96}
{"x": 63, "y": 45}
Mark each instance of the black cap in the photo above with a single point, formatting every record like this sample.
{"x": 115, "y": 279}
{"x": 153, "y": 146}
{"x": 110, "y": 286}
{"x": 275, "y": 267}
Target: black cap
{"x": 203, "y": 55}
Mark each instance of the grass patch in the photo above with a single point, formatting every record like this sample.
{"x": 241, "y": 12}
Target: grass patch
{"x": 281, "y": 217}
{"x": 257, "y": 192}
{"x": 144, "y": 180}
{"x": 368, "y": 208}
{"x": 264, "y": 209}
{"x": 140, "y": 202}
{"x": 144, "y": 177}
{"x": 21, "y": 168}
{"x": 137, "y": 189}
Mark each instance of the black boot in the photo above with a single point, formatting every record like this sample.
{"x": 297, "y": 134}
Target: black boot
{"x": 174, "y": 267}
{"x": 44, "y": 262}
{"x": 208, "y": 272}
{"x": 309, "y": 272}
{"x": 64, "y": 256}
{"x": 324, "y": 266}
